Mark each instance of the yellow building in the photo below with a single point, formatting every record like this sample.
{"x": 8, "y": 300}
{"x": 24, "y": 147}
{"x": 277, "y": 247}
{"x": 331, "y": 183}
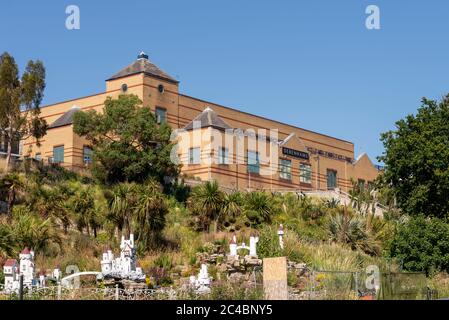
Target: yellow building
{"x": 305, "y": 160}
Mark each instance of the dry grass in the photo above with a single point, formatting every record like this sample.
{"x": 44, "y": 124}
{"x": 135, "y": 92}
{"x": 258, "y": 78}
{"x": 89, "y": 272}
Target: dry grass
{"x": 440, "y": 282}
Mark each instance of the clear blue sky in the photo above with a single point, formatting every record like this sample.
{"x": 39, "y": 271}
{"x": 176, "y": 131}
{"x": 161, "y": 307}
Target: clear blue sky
{"x": 309, "y": 63}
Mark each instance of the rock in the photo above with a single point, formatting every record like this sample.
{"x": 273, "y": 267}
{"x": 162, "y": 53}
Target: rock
{"x": 131, "y": 285}
{"x": 222, "y": 268}
{"x": 252, "y": 261}
{"x": 300, "y": 266}
{"x": 236, "y": 277}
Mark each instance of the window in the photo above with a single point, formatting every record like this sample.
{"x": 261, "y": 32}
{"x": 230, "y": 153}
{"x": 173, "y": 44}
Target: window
{"x": 253, "y": 162}
{"x": 194, "y": 156}
{"x": 223, "y": 156}
{"x": 361, "y": 184}
{"x": 58, "y": 154}
{"x": 285, "y": 168}
{"x": 161, "y": 115}
{"x": 38, "y": 157}
{"x": 331, "y": 179}
{"x": 87, "y": 155}
{"x": 305, "y": 173}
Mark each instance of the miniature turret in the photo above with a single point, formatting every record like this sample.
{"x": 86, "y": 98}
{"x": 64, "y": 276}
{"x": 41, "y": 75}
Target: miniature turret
{"x": 233, "y": 246}
{"x": 42, "y": 280}
{"x": 281, "y": 236}
{"x": 56, "y": 274}
{"x": 27, "y": 266}
{"x": 202, "y": 281}
{"x": 253, "y": 246}
{"x": 11, "y": 273}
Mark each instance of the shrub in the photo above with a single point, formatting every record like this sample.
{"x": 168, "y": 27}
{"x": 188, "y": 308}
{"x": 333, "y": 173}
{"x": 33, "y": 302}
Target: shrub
{"x": 335, "y": 257}
{"x": 164, "y": 261}
{"x": 422, "y": 244}
{"x": 268, "y": 245}
{"x": 160, "y": 277}
{"x": 259, "y": 207}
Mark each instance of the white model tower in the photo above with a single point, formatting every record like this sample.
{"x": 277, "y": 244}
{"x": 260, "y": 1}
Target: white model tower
{"x": 281, "y": 236}
{"x": 253, "y": 246}
{"x": 11, "y": 272}
{"x": 27, "y": 266}
{"x": 233, "y": 246}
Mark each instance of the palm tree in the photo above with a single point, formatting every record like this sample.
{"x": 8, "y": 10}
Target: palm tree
{"x": 121, "y": 206}
{"x": 12, "y": 184}
{"x": 83, "y": 206}
{"x": 207, "y": 199}
{"x": 351, "y": 229}
{"x": 232, "y": 204}
{"x": 51, "y": 202}
{"x": 6, "y": 240}
{"x": 150, "y": 211}
{"x": 259, "y": 207}
{"x": 30, "y": 230}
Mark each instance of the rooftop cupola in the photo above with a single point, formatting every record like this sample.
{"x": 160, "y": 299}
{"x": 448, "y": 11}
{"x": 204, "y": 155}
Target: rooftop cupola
{"x": 143, "y": 65}
{"x": 142, "y": 55}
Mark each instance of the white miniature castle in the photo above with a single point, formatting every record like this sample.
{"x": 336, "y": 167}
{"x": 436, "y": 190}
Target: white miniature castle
{"x": 126, "y": 264}
{"x": 202, "y": 281}
{"x": 233, "y": 247}
{"x": 13, "y": 270}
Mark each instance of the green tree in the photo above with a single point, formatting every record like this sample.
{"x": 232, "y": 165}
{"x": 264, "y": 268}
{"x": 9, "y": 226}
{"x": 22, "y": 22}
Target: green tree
{"x": 422, "y": 244}
{"x": 20, "y": 100}
{"x": 11, "y": 185}
{"x": 259, "y": 207}
{"x": 233, "y": 211}
{"x": 6, "y": 240}
{"x": 121, "y": 202}
{"x": 30, "y": 230}
{"x": 150, "y": 211}
{"x": 85, "y": 211}
{"x": 51, "y": 203}
{"x": 351, "y": 229}
{"x": 128, "y": 143}
{"x": 207, "y": 201}
{"x": 416, "y": 160}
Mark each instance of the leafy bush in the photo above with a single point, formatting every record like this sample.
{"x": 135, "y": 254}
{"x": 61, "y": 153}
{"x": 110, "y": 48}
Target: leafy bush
{"x": 160, "y": 277}
{"x": 335, "y": 257}
{"x": 422, "y": 244}
{"x": 268, "y": 245}
{"x": 259, "y": 207}
{"x": 416, "y": 158}
{"x": 164, "y": 261}
{"x": 29, "y": 230}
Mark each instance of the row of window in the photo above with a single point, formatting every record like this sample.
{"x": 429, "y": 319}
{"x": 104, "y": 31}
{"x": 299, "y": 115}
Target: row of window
{"x": 58, "y": 155}
{"x": 285, "y": 166}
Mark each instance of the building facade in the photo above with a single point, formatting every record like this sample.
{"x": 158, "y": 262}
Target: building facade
{"x": 306, "y": 160}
